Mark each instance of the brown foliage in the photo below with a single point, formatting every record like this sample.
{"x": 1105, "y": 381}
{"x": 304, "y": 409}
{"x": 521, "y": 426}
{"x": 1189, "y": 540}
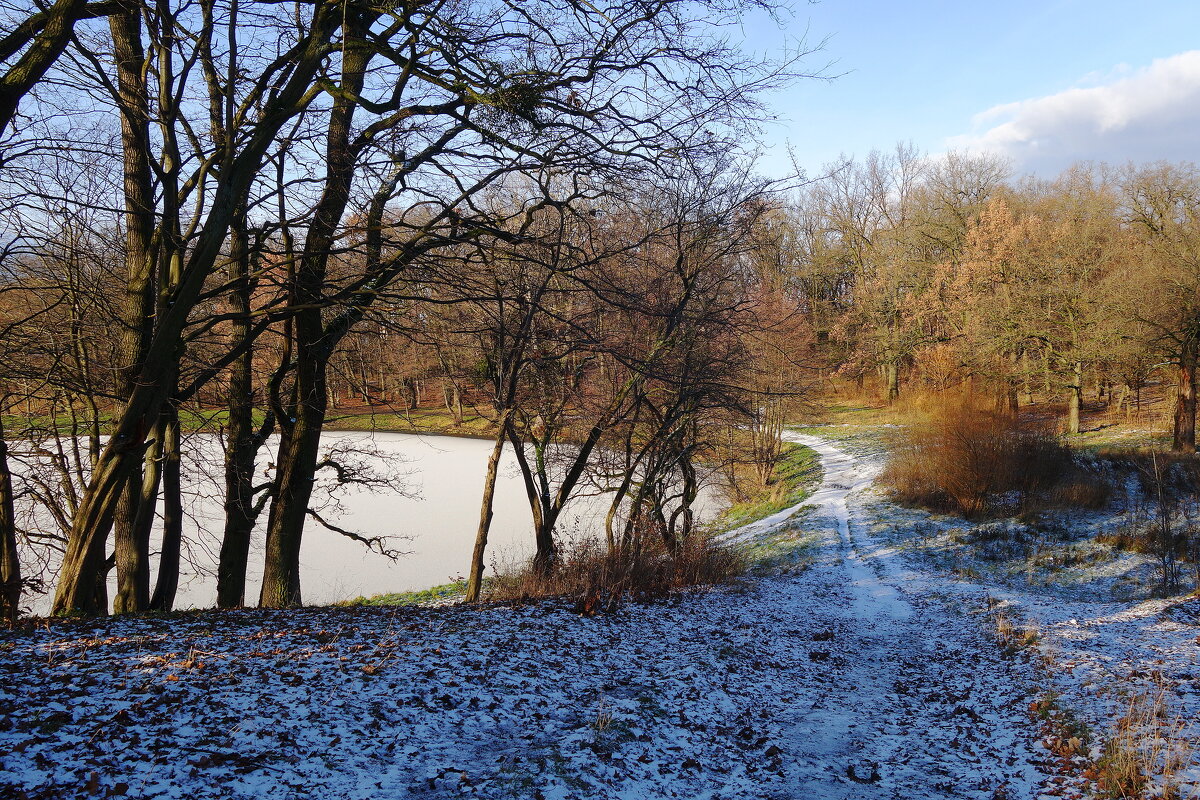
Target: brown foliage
{"x": 598, "y": 579}
{"x": 968, "y": 461}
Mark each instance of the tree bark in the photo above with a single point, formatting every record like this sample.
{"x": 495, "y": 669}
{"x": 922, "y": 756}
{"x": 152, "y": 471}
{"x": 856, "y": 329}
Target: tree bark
{"x": 137, "y": 315}
{"x": 10, "y": 564}
{"x": 1075, "y": 401}
{"x": 475, "y": 579}
{"x": 295, "y": 466}
{"x": 1184, "y": 434}
{"x": 300, "y": 444}
{"x": 242, "y": 442}
{"x": 892, "y": 376}
{"x": 167, "y": 584}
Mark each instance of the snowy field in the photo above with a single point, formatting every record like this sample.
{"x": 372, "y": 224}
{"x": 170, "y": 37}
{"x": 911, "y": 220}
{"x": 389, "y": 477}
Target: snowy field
{"x": 867, "y": 674}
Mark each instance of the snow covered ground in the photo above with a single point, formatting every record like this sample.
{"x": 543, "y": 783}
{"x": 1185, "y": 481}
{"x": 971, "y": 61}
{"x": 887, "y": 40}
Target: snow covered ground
{"x": 1121, "y": 666}
{"x": 863, "y": 675}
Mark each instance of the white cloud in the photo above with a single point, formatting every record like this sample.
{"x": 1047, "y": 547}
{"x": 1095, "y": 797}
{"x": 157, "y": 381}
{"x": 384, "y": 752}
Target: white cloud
{"x": 1147, "y": 114}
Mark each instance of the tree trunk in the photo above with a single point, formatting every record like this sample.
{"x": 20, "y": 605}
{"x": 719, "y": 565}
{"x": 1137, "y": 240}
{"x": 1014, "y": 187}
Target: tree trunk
{"x": 167, "y": 584}
{"x": 1184, "y": 434}
{"x": 296, "y": 461}
{"x": 1026, "y": 384}
{"x": 683, "y": 518}
{"x": 10, "y": 564}
{"x": 475, "y": 580}
{"x": 1075, "y": 402}
{"x": 295, "y": 466}
{"x": 242, "y": 442}
{"x": 892, "y": 376}
{"x": 133, "y": 531}
{"x": 137, "y": 314}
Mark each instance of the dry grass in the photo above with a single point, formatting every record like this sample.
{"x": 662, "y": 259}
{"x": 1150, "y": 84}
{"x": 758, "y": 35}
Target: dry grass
{"x": 969, "y": 461}
{"x": 1146, "y": 750}
{"x": 599, "y": 580}
{"x": 1013, "y": 637}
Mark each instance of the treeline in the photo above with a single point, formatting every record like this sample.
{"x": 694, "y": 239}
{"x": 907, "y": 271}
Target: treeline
{"x": 950, "y": 273}
{"x": 214, "y": 206}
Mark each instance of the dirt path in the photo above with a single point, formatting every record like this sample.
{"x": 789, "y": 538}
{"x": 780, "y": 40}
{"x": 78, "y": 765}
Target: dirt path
{"x": 917, "y": 701}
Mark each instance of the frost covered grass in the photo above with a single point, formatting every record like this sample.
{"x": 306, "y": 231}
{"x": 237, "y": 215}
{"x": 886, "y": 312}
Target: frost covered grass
{"x": 684, "y": 699}
{"x": 1145, "y": 750}
{"x": 789, "y": 547}
{"x": 1081, "y": 592}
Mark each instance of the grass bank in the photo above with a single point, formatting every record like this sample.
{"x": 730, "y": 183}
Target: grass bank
{"x": 798, "y": 471}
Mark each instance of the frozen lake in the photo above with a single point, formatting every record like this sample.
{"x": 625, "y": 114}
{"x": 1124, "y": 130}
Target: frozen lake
{"x": 433, "y": 521}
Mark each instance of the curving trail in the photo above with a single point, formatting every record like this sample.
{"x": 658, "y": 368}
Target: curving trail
{"x": 917, "y": 702}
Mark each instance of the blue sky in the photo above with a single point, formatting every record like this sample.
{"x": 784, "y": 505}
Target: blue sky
{"x": 1063, "y": 79}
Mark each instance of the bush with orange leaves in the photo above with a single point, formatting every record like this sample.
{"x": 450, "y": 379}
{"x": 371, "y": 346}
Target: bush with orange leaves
{"x": 969, "y": 461}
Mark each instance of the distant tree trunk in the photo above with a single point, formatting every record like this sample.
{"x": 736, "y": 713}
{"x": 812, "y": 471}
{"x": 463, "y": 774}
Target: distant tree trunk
{"x": 1026, "y": 384}
{"x": 545, "y": 505}
{"x": 629, "y": 472}
{"x": 1184, "y": 434}
{"x": 683, "y": 518}
{"x": 1075, "y": 402}
{"x": 892, "y": 376}
{"x": 1123, "y": 400}
{"x": 1008, "y": 402}
{"x": 454, "y": 403}
{"x": 1012, "y": 384}
{"x": 10, "y": 565}
{"x": 475, "y": 580}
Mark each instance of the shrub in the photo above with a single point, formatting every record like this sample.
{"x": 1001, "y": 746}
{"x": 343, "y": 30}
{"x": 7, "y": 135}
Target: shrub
{"x": 968, "y": 461}
{"x": 598, "y": 579}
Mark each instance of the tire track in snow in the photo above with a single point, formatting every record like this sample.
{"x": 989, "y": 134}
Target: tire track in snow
{"x": 917, "y": 701}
